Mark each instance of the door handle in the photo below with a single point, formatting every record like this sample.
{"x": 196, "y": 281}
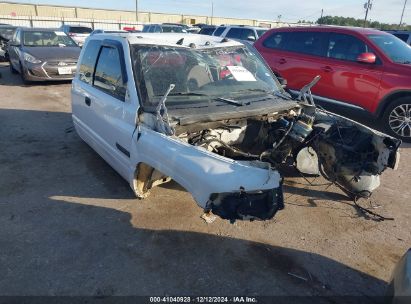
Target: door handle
{"x": 327, "y": 69}
{"x": 282, "y": 61}
{"x": 87, "y": 100}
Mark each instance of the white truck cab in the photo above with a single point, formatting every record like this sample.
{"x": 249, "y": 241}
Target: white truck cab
{"x": 208, "y": 113}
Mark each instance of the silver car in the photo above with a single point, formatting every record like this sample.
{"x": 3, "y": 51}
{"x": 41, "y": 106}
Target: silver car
{"x": 43, "y": 54}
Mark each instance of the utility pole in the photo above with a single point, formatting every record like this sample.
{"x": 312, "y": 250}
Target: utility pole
{"x": 212, "y": 12}
{"x": 322, "y": 13}
{"x": 137, "y": 11}
{"x": 368, "y": 7}
{"x": 403, "y": 9}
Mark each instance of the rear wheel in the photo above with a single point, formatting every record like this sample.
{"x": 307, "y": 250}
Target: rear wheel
{"x": 12, "y": 69}
{"x": 397, "y": 119}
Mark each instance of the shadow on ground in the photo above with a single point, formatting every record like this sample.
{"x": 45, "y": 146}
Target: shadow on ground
{"x": 57, "y": 239}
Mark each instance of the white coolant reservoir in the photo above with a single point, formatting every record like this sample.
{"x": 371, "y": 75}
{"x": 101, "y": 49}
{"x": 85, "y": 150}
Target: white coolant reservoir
{"x": 307, "y": 161}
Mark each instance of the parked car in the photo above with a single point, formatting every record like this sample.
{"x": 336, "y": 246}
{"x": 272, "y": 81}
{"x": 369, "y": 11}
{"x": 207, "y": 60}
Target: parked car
{"x": 43, "y": 54}
{"x": 77, "y": 32}
{"x": 403, "y": 35}
{"x": 207, "y": 30}
{"x": 364, "y": 69}
{"x": 211, "y": 115}
{"x": 107, "y": 32}
{"x": 243, "y": 33}
{"x": 6, "y": 33}
{"x": 400, "y": 286}
{"x": 163, "y": 28}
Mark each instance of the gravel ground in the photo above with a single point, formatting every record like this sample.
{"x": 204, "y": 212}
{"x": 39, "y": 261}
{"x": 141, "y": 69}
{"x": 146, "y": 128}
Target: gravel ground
{"x": 70, "y": 225}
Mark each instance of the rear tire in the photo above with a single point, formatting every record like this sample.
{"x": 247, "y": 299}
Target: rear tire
{"x": 397, "y": 119}
{"x": 12, "y": 69}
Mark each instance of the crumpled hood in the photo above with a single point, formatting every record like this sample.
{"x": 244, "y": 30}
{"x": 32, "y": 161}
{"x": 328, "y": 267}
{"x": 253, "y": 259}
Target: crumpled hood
{"x": 53, "y": 53}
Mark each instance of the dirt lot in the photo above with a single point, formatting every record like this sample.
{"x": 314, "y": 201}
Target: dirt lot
{"x": 69, "y": 225}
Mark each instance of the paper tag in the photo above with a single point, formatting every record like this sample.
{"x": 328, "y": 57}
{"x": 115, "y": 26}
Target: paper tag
{"x": 241, "y": 73}
{"x": 60, "y": 33}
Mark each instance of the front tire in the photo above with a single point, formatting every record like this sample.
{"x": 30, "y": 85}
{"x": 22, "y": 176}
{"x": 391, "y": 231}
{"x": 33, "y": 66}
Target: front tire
{"x": 23, "y": 75}
{"x": 397, "y": 119}
{"x": 12, "y": 69}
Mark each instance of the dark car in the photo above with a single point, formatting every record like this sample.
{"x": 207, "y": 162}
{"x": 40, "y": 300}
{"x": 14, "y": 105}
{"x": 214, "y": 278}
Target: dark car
{"x": 365, "y": 69}
{"x": 6, "y": 33}
{"x": 43, "y": 54}
{"x": 403, "y": 35}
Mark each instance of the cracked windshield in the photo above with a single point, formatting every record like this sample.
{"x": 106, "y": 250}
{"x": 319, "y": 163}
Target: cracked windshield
{"x": 201, "y": 75}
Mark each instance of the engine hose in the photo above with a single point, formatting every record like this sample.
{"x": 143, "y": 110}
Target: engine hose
{"x": 209, "y": 141}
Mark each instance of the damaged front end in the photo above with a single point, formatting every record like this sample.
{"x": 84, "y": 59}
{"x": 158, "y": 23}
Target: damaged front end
{"x": 227, "y": 151}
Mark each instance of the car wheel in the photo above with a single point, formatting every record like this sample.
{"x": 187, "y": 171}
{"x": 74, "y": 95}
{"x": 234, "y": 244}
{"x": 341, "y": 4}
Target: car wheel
{"x": 23, "y": 75}
{"x": 12, "y": 69}
{"x": 397, "y": 119}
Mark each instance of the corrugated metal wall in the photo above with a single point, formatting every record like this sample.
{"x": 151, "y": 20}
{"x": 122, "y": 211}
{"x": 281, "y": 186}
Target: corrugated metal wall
{"x": 53, "y": 16}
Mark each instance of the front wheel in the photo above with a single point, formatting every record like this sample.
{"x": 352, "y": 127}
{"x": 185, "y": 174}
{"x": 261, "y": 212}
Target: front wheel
{"x": 23, "y": 75}
{"x": 397, "y": 119}
{"x": 12, "y": 69}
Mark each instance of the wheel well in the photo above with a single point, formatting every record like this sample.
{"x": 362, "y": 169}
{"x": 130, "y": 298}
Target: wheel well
{"x": 388, "y": 99}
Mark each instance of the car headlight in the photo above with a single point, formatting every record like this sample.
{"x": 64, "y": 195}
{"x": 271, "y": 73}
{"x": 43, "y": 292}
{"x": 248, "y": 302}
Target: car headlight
{"x": 30, "y": 58}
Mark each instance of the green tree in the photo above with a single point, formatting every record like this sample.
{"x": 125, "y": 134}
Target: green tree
{"x": 349, "y": 21}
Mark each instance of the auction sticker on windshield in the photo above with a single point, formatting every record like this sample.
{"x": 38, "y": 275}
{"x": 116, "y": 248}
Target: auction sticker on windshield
{"x": 241, "y": 73}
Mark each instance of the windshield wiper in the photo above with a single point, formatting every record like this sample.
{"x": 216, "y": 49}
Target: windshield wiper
{"x": 187, "y": 94}
{"x": 230, "y": 101}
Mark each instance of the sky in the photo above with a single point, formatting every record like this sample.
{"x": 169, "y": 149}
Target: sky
{"x": 388, "y": 11}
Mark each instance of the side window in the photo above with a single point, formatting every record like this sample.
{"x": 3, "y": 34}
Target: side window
{"x": 345, "y": 47}
{"x": 219, "y": 31}
{"x": 233, "y": 33}
{"x": 108, "y": 76}
{"x": 276, "y": 41}
{"x": 88, "y": 61}
{"x": 310, "y": 43}
{"x": 240, "y": 33}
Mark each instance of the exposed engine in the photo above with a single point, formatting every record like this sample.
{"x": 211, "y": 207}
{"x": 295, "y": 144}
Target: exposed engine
{"x": 346, "y": 153}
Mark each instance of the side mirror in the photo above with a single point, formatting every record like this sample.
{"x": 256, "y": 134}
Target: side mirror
{"x": 369, "y": 58}
{"x": 251, "y": 38}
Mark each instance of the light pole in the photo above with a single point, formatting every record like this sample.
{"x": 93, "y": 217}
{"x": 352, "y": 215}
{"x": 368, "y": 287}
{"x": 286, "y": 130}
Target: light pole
{"x": 137, "y": 11}
{"x": 212, "y": 12}
{"x": 403, "y": 9}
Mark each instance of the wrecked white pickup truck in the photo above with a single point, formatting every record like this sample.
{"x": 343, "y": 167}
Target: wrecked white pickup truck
{"x": 209, "y": 114}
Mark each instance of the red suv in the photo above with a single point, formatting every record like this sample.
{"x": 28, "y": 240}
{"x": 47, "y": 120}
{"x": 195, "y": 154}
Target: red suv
{"x": 361, "y": 68}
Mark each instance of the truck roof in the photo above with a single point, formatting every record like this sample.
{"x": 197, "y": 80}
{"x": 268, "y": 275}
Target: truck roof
{"x": 173, "y": 39}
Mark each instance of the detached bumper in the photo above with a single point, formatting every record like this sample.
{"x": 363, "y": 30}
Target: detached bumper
{"x": 49, "y": 71}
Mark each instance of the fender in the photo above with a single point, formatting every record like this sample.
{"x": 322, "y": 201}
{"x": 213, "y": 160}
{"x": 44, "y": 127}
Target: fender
{"x": 202, "y": 173}
{"x": 383, "y": 104}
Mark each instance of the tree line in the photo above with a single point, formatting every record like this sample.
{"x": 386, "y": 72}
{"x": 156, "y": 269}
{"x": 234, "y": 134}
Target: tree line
{"x": 348, "y": 21}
